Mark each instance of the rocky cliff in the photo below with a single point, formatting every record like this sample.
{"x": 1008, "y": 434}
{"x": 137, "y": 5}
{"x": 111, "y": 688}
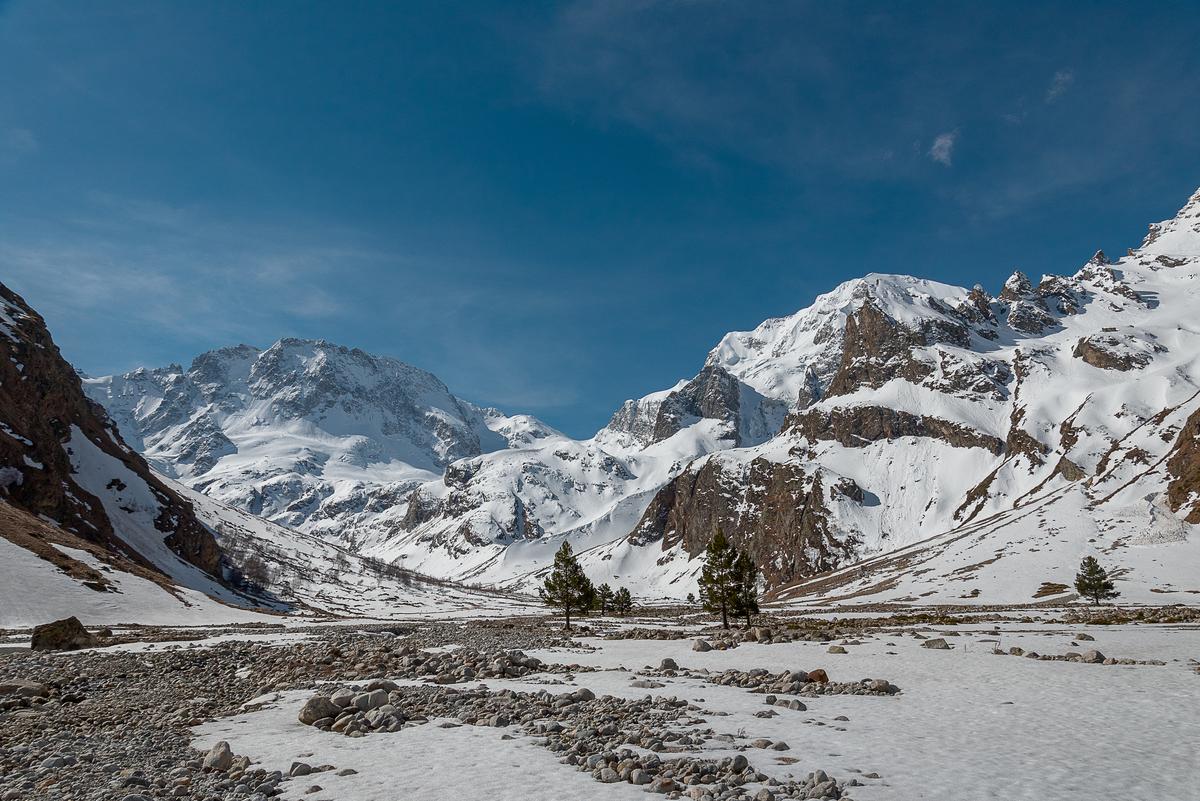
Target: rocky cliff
{"x": 63, "y": 461}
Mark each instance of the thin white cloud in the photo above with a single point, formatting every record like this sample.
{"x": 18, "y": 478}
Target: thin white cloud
{"x": 1059, "y": 85}
{"x": 942, "y": 149}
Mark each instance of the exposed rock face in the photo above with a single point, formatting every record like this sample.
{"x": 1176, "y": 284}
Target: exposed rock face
{"x": 713, "y": 394}
{"x": 1183, "y": 491}
{"x": 43, "y": 411}
{"x": 858, "y": 426}
{"x": 1113, "y": 352}
{"x": 877, "y": 349}
{"x": 778, "y": 512}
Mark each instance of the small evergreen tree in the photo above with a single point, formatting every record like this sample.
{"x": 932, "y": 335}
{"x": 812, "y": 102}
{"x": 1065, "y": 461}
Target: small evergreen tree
{"x": 745, "y": 592}
{"x": 1092, "y": 581}
{"x": 567, "y": 587}
{"x": 622, "y": 602}
{"x": 604, "y": 597}
{"x": 589, "y": 596}
{"x": 717, "y": 578}
{"x": 691, "y": 599}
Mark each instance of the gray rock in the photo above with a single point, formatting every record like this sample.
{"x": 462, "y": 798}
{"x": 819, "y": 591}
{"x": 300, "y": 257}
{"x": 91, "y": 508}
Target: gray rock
{"x": 669, "y": 664}
{"x": 701, "y": 646}
{"x": 219, "y": 757}
{"x": 936, "y": 644}
{"x": 318, "y": 707}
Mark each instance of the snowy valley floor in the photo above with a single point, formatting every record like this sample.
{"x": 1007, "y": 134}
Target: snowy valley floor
{"x": 966, "y": 724}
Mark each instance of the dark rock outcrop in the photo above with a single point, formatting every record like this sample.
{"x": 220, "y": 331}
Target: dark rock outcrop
{"x": 714, "y": 394}
{"x": 877, "y": 349}
{"x": 779, "y": 512}
{"x": 1107, "y": 352}
{"x": 42, "y": 407}
{"x": 61, "y": 635}
{"x": 859, "y": 426}
{"x": 1183, "y": 491}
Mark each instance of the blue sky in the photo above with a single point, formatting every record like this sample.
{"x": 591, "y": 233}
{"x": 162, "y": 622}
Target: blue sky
{"x": 558, "y": 206}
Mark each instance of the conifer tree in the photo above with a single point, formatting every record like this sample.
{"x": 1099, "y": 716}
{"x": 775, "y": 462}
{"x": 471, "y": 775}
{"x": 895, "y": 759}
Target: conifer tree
{"x": 717, "y": 578}
{"x": 622, "y": 602}
{"x": 745, "y": 593}
{"x": 604, "y": 597}
{"x": 1092, "y": 581}
{"x": 567, "y": 587}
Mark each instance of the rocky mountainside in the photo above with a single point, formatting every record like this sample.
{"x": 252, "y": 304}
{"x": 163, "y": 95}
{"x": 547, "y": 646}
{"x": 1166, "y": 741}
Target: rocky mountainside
{"x": 87, "y": 529}
{"x": 69, "y": 484}
{"x": 891, "y": 411}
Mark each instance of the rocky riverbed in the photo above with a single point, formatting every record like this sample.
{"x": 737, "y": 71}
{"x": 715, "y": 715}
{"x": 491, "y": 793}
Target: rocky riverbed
{"x": 365, "y": 712}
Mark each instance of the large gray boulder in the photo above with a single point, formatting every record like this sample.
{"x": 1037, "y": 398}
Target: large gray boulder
{"x": 317, "y": 708}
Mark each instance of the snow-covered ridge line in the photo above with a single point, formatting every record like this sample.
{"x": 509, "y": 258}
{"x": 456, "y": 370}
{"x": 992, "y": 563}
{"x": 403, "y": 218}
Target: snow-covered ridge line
{"x": 891, "y": 410}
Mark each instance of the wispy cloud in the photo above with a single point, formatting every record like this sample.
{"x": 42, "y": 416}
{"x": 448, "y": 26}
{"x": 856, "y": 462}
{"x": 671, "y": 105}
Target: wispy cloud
{"x": 1059, "y": 85}
{"x": 170, "y": 266}
{"x": 942, "y": 149}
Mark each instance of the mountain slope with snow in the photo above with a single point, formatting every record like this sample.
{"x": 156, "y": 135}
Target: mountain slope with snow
{"x": 891, "y": 411}
{"x": 305, "y": 433}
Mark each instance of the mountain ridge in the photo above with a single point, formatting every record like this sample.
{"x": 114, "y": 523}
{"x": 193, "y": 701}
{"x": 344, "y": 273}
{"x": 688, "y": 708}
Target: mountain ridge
{"x": 800, "y": 436}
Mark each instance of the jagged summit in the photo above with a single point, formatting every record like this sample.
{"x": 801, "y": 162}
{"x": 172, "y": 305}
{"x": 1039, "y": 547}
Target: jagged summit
{"x": 305, "y": 430}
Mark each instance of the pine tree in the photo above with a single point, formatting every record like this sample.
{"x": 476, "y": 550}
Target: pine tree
{"x": 1092, "y": 581}
{"x": 717, "y": 577}
{"x": 604, "y": 596}
{"x": 567, "y": 587}
{"x": 691, "y": 599}
{"x": 745, "y": 593}
{"x": 622, "y": 602}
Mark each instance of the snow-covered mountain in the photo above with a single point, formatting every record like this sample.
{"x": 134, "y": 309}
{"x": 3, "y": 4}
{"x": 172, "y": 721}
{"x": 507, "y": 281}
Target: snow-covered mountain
{"x": 891, "y": 411}
{"x": 88, "y": 529}
{"x": 82, "y": 517}
{"x": 306, "y": 434}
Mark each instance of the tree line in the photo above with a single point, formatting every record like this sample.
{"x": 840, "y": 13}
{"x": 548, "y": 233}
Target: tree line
{"x": 728, "y": 585}
{"x": 569, "y": 590}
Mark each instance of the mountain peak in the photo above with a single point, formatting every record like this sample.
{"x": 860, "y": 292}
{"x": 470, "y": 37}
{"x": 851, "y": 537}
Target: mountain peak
{"x": 1178, "y": 236}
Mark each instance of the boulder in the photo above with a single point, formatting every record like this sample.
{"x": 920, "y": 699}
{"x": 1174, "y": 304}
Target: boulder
{"x": 219, "y": 757}
{"x": 669, "y": 664}
{"x": 61, "y": 635}
{"x": 701, "y": 645}
{"x": 819, "y": 676}
{"x": 318, "y": 707}
{"x": 1093, "y": 657}
{"x": 24, "y": 689}
{"x": 936, "y": 644}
